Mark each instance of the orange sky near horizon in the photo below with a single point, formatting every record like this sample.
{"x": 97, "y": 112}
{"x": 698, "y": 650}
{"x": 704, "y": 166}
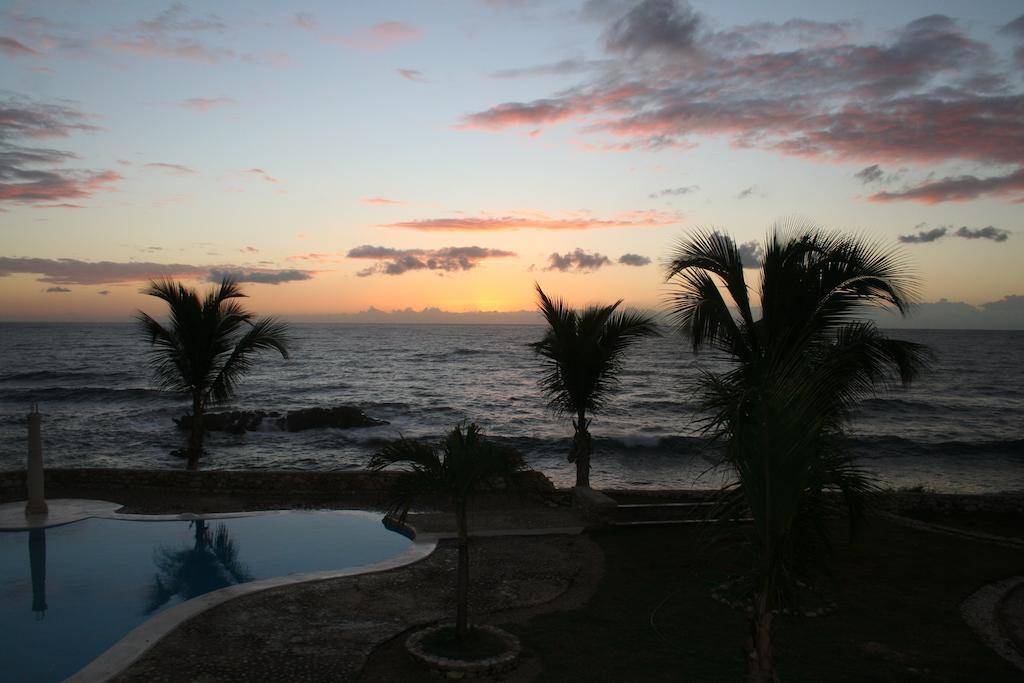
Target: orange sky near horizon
{"x": 346, "y": 156}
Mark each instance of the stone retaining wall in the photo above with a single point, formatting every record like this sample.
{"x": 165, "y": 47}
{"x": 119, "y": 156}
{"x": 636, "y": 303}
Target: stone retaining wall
{"x": 300, "y": 485}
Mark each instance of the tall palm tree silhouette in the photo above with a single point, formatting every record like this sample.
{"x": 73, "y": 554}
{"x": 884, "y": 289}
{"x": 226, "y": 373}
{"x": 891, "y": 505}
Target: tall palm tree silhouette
{"x": 207, "y": 346}
{"x": 583, "y": 353}
{"x": 799, "y": 369}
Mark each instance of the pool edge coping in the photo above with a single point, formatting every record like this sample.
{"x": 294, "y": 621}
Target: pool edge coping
{"x": 129, "y": 649}
{"x": 136, "y": 643}
{"x": 82, "y": 509}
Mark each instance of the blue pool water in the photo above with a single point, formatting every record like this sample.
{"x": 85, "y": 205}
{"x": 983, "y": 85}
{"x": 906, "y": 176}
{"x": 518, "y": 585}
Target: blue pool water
{"x": 68, "y": 593}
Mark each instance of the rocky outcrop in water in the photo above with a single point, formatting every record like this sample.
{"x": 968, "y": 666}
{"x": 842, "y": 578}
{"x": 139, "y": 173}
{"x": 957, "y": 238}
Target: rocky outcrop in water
{"x": 240, "y": 421}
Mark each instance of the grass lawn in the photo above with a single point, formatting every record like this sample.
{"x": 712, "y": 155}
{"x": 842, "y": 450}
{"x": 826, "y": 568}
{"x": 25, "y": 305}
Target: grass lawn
{"x": 898, "y": 590}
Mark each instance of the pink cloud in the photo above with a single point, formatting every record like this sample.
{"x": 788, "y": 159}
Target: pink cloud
{"x": 207, "y": 103}
{"x": 34, "y": 175}
{"x": 48, "y": 186}
{"x": 382, "y": 201}
{"x": 15, "y": 48}
{"x": 67, "y": 271}
{"x": 171, "y": 35}
{"x": 414, "y": 75}
{"x": 305, "y": 21}
{"x": 184, "y": 49}
{"x": 378, "y": 37}
{"x": 550, "y": 111}
{"x": 176, "y": 169}
{"x": 22, "y": 118}
{"x": 260, "y": 173}
{"x": 267, "y": 58}
{"x": 957, "y": 189}
{"x": 541, "y": 221}
{"x": 929, "y": 93}
{"x": 313, "y": 256}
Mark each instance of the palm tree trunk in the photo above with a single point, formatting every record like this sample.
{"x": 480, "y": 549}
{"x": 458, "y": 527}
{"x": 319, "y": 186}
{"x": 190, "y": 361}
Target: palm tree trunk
{"x": 200, "y": 535}
{"x": 195, "y": 438}
{"x": 761, "y": 668}
{"x": 462, "y": 574}
{"x": 581, "y": 448}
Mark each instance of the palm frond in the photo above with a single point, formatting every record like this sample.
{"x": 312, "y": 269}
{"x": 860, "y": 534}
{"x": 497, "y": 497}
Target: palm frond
{"x": 583, "y": 351}
{"x": 265, "y": 334}
{"x": 463, "y": 462}
{"x": 208, "y": 343}
{"x": 800, "y": 369}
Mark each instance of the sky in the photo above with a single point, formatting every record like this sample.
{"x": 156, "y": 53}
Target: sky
{"x": 349, "y": 160}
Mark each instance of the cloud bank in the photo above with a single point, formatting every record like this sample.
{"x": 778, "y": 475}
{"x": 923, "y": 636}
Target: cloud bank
{"x": 75, "y": 272}
{"x": 578, "y": 260}
{"x": 38, "y": 175}
{"x": 929, "y": 92}
{"x": 989, "y": 232}
{"x": 540, "y": 221}
{"x": 634, "y": 260}
{"x": 674, "y": 191}
{"x": 391, "y": 261}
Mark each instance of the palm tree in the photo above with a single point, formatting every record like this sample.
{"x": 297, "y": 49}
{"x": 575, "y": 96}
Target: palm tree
{"x": 583, "y": 352}
{"x": 461, "y": 464}
{"x": 799, "y": 370}
{"x": 207, "y": 346}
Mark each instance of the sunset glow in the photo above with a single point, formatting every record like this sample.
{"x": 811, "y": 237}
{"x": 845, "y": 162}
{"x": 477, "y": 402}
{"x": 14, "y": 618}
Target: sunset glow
{"x": 342, "y": 158}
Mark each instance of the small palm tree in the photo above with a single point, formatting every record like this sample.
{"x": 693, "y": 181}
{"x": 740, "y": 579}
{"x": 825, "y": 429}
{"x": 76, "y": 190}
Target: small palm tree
{"x": 799, "y": 370}
{"x": 461, "y": 464}
{"x": 207, "y": 346}
{"x": 583, "y": 352}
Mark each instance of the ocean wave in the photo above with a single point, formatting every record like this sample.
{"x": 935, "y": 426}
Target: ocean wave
{"x": 465, "y": 352}
{"x": 903, "y": 406}
{"x": 388, "y": 405}
{"x": 65, "y": 376}
{"x": 873, "y": 447}
{"x": 84, "y": 395}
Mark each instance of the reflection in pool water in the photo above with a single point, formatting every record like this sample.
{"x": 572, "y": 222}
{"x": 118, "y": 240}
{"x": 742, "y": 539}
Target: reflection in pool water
{"x": 86, "y": 584}
{"x": 208, "y": 563}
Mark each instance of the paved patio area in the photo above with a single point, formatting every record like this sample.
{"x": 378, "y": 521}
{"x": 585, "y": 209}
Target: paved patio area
{"x": 324, "y": 631}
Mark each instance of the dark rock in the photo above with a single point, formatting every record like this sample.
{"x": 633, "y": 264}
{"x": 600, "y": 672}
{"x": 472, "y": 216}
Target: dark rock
{"x": 241, "y": 421}
{"x": 235, "y": 421}
{"x": 342, "y": 417}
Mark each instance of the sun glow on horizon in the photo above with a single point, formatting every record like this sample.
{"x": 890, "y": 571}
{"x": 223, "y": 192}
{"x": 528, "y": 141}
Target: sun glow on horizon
{"x": 537, "y": 146}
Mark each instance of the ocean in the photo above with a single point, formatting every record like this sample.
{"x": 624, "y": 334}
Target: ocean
{"x": 956, "y": 430}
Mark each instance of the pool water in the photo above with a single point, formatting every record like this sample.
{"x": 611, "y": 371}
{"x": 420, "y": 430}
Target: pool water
{"x": 68, "y": 593}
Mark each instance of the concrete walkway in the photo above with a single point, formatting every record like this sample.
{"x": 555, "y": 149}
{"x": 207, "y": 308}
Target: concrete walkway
{"x": 324, "y": 631}
{"x": 67, "y": 510}
{"x": 61, "y": 511}
{"x": 994, "y": 612}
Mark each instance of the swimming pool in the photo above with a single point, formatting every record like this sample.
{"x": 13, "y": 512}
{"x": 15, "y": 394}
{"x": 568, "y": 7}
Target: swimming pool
{"x": 68, "y": 593}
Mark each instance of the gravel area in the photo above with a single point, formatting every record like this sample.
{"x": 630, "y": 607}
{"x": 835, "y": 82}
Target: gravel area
{"x": 325, "y": 631}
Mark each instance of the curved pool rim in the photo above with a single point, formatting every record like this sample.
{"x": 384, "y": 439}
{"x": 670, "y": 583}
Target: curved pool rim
{"x": 143, "y": 637}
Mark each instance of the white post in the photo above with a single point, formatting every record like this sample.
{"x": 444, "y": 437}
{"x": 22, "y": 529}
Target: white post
{"x": 36, "y": 504}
